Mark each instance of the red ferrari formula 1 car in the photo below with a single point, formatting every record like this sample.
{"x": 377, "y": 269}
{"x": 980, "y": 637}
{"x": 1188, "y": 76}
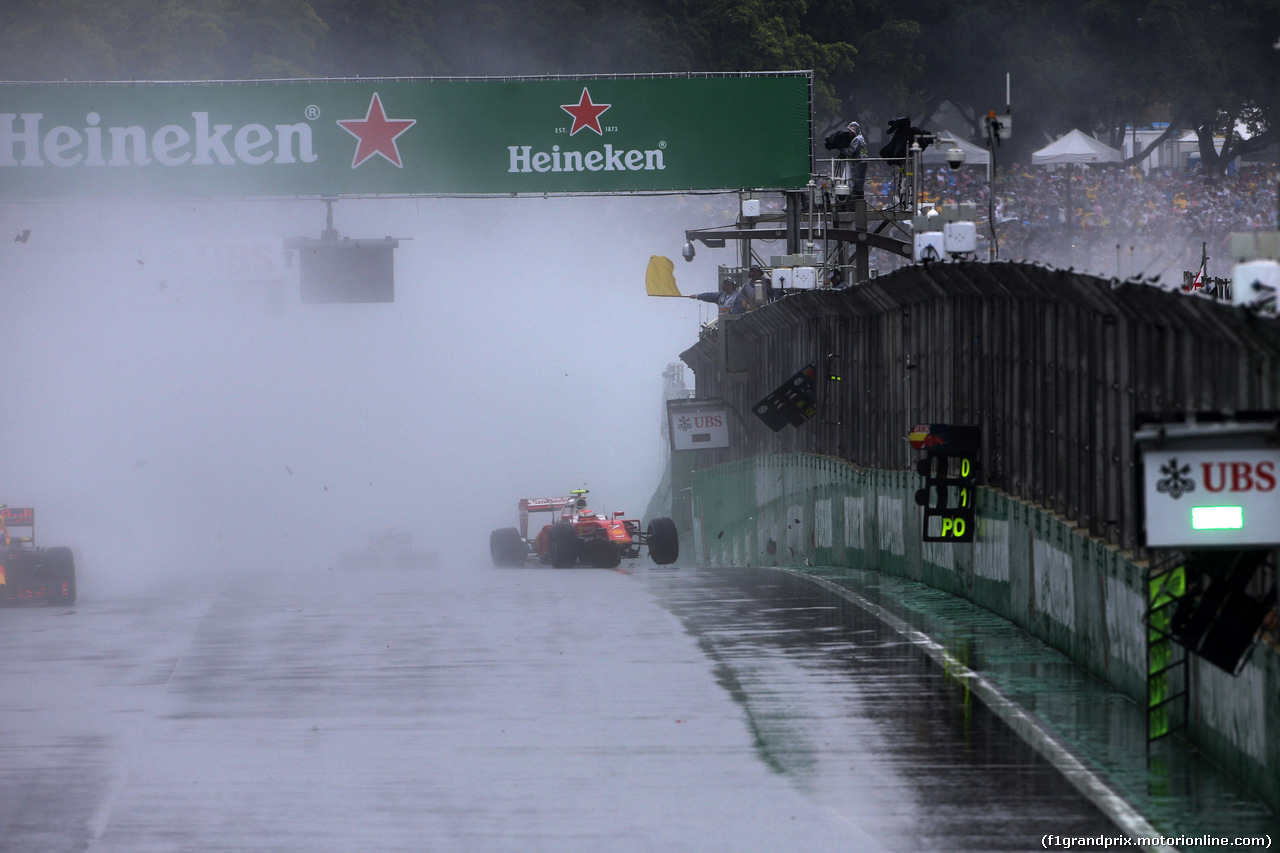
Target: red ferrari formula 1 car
{"x": 581, "y": 537}
{"x": 28, "y": 573}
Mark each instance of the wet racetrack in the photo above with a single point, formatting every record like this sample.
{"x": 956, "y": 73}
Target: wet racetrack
{"x": 502, "y": 710}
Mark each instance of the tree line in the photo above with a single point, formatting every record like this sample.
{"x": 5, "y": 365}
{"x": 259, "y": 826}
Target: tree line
{"x": 1100, "y": 65}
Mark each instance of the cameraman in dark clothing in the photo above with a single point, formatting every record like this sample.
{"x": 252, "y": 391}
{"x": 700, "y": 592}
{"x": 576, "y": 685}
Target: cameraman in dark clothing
{"x": 855, "y": 157}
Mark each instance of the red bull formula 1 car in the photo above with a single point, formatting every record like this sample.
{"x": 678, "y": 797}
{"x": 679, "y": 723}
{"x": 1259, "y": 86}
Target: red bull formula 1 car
{"x": 28, "y": 573}
{"x": 581, "y": 537}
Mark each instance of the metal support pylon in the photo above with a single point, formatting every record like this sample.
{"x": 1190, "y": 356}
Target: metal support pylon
{"x": 1168, "y": 674}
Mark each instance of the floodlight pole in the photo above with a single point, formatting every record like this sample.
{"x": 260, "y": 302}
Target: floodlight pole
{"x": 991, "y": 193}
{"x": 329, "y": 232}
{"x": 914, "y": 154}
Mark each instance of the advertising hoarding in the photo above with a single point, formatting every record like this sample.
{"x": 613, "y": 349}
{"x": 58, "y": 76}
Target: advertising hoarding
{"x": 372, "y": 137}
{"x": 697, "y": 424}
{"x": 1211, "y": 498}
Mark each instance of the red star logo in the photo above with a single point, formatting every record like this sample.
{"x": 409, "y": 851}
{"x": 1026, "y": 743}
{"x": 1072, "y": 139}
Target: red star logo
{"x": 585, "y": 113}
{"x": 377, "y": 134}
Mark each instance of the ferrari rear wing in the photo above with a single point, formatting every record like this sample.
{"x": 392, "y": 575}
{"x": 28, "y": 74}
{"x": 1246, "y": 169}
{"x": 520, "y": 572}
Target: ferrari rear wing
{"x": 528, "y": 505}
{"x": 543, "y": 504}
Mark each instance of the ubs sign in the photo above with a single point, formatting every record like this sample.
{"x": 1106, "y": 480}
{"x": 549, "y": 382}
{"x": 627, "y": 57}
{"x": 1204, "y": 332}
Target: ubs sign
{"x": 697, "y": 424}
{"x": 1198, "y": 498}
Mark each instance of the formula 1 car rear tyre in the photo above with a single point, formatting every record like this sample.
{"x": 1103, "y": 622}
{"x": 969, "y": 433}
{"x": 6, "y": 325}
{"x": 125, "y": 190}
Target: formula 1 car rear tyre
{"x": 664, "y": 541}
{"x": 507, "y": 548}
{"x": 60, "y": 566}
{"x": 562, "y": 545}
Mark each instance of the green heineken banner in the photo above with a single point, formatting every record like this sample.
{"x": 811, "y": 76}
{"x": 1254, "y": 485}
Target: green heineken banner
{"x": 404, "y": 137}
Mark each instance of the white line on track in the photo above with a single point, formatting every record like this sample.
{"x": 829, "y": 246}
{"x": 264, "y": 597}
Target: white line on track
{"x": 101, "y": 819}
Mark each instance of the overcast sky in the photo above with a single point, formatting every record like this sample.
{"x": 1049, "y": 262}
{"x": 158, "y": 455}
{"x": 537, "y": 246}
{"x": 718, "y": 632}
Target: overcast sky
{"x": 162, "y": 379}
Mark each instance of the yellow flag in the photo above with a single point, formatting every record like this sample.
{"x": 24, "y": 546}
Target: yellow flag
{"x": 660, "y": 278}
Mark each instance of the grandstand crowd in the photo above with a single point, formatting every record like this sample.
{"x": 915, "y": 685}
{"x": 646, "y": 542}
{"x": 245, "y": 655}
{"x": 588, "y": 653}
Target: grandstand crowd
{"x": 1108, "y": 220}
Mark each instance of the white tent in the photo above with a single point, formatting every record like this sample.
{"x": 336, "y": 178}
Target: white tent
{"x": 1075, "y": 147}
{"x": 936, "y": 154}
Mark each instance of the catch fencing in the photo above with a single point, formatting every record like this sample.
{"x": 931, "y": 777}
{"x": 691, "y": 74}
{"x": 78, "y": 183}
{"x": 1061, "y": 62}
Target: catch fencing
{"x": 1052, "y": 364}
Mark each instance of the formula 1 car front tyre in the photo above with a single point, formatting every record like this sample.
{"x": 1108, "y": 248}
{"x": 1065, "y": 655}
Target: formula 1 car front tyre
{"x": 562, "y": 545}
{"x": 664, "y": 541}
{"x": 60, "y": 566}
{"x": 507, "y": 548}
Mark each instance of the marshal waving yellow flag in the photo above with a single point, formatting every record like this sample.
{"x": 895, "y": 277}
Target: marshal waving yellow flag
{"x": 660, "y": 278}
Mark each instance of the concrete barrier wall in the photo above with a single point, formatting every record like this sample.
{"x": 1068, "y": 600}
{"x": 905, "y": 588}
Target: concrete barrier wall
{"x": 1072, "y": 591}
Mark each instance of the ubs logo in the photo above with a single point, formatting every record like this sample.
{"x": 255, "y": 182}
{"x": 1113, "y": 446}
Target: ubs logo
{"x": 1215, "y": 477}
{"x": 1176, "y": 480}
